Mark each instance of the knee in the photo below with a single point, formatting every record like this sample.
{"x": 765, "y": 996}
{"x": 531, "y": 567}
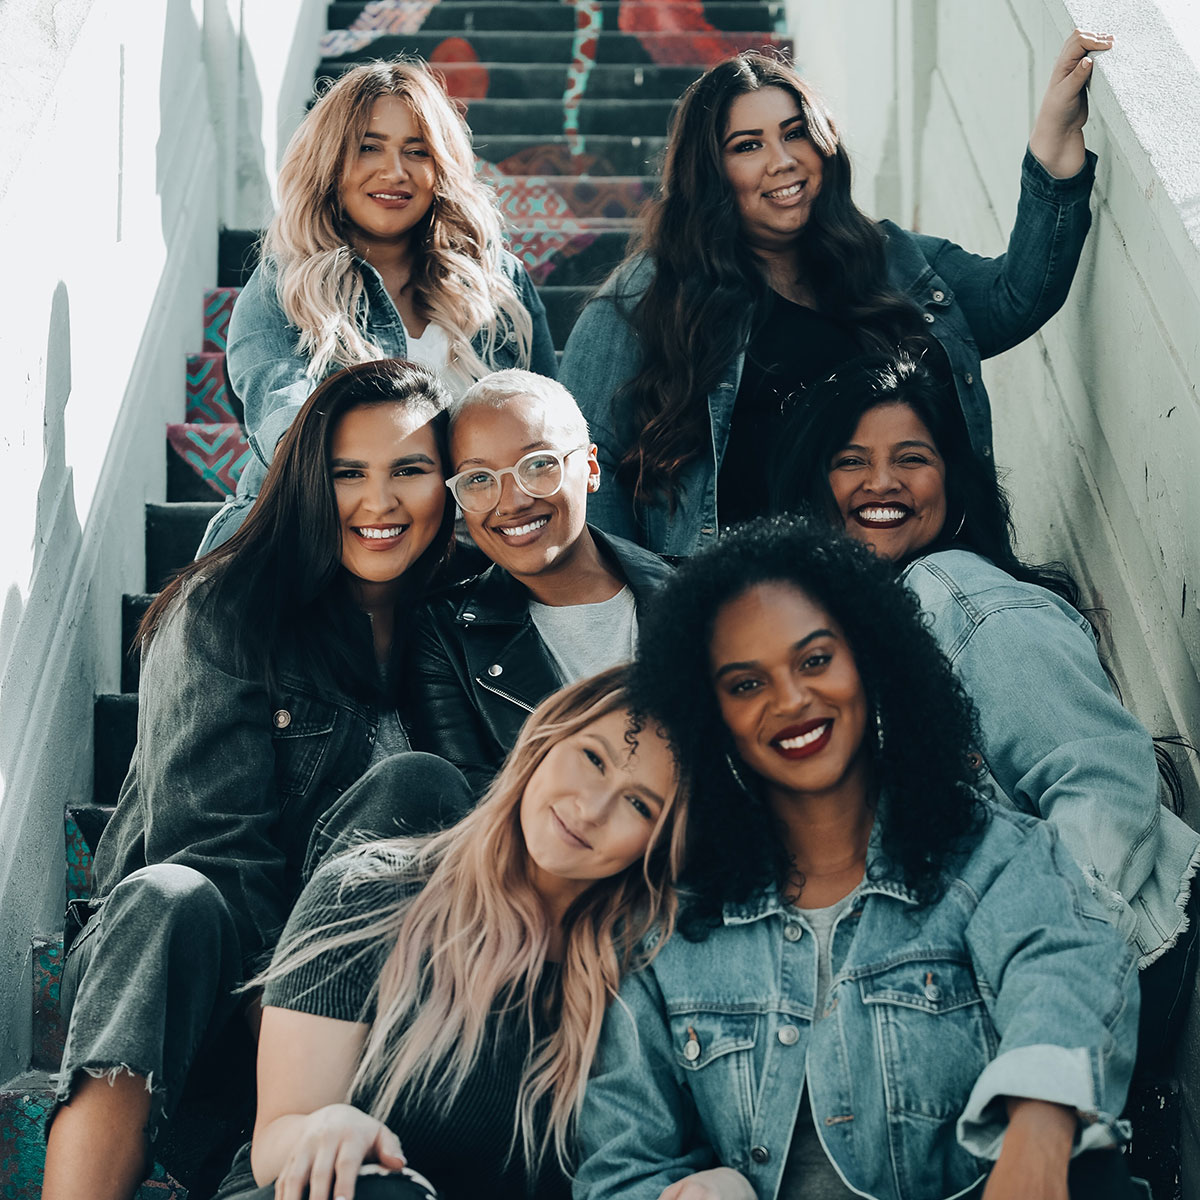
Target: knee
{"x": 408, "y": 795}
{"x": 171, "y": 893}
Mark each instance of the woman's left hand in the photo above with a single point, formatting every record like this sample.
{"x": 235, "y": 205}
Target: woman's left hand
{"x": 1057, "y": 137}
{"x": 1036, "y": 1154}
{"x": 721, "y": 1183}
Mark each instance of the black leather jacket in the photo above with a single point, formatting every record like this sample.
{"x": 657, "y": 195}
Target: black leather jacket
{"x": 478, "y": 667}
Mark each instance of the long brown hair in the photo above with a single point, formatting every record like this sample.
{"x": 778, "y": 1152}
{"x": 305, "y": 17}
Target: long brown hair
{"x": 692, "y": 320}
{"x": 278, "y": 581}
{"x": 478, "y": 933}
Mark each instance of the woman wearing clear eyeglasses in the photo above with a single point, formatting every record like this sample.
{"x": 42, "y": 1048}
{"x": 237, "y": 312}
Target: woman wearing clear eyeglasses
{"x": 560, "y": 601}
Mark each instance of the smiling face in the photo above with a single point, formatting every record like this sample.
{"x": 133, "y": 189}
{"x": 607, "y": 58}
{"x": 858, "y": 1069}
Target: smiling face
{"x": 391, "y": 496}
{"x": 790, "y": 693}
{"x": 526, "y": 535}
{"x": 388, "y": 185}
{"x": 775, "y": 171}
{"x": 592, "y": 803}
{"x": 889, "y": 483}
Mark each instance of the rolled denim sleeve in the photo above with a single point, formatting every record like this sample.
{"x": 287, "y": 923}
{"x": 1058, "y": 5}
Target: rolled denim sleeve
{"x": 1062, "y": 746}
{"x": 601, "y": 356}
{"x": 1009, "y": 298}
{"x": 638, "y": 1131}
{"x": 265, "y": 368}
{"x": 1061, "y": 988}
{"x": 205, "y": 771}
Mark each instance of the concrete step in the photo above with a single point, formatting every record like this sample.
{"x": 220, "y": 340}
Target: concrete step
{"x": 205, "y": 460}
{"x": 551, "y": 82}
{"x": 133, "y": 609}
{"x": 114, "y": 724}
{"x": 547, "y": 117}
{"x": 210, "y": 399}
{"x": 671, "y": 48}
{"x": 218, "y": 305}
{"x": 600, "y": 155}
{"x": 563, "y": 306}
{"x": 49, "y": 1033}
{"x": 479, "y": 15}
{"x": 82, "y": 826}
{"x": 173, "y": 533}
{"x": 25, "y": 1103}
{"x": 572, "y": 256}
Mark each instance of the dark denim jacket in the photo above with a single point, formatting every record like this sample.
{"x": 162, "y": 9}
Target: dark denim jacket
{"x": 1011, "y": 983}
{"x": 976, "y": 307}
{"x": 229, "y": 777}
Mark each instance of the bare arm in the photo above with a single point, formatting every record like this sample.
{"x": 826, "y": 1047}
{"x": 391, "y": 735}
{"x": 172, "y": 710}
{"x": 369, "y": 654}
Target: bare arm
{"x": 1036, "y": 1154}
{"x": 306, "y": 1136}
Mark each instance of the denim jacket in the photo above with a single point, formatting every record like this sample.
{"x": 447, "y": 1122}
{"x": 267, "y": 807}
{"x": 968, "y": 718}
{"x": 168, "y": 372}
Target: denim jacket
{"x": 1058, "y": 742}
{"x": 229, "y": 777}
{"x": 975, "y": 307}
{"x": 269, "y": 375}
{"x": 1011, "y": 984}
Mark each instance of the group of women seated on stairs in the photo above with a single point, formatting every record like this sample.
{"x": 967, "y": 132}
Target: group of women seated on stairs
{"x": 827, "y": 864}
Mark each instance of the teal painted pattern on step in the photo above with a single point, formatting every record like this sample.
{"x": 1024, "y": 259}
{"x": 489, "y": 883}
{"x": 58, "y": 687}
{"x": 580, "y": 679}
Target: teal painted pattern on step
{"x": 207, "y": 394}
{"x": 216, "y": 453}
{"x": 218, "y": 305}
{"x": 49, "y": 1032}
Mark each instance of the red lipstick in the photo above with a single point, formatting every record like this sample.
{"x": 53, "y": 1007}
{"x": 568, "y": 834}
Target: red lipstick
{"x": 815, "y": 734}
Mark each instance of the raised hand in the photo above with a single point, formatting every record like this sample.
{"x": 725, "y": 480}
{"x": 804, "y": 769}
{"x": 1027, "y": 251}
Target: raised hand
{"x": 1057, "y": 137}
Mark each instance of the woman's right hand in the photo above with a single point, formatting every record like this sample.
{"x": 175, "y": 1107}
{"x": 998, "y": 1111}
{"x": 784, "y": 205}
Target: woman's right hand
{"x": 329, "y": 1148}
{"x": 1057, "y": 137}
{"x": 721, "y": 1183}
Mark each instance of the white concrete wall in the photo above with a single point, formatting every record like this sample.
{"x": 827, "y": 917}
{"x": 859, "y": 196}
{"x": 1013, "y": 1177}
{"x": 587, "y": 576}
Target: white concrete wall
{"x": 113, "y": 181}
{"x": 1096, "y": 418}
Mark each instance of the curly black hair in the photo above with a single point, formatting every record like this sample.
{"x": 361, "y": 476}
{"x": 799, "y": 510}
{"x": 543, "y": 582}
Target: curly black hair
{"x": 927, "y": 764}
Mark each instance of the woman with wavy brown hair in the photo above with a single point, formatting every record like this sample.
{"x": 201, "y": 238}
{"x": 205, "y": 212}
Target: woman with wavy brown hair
{"x": 755, "y": 273}
{"x": 385, "y": 244}
{"x": 437, "y": 1002}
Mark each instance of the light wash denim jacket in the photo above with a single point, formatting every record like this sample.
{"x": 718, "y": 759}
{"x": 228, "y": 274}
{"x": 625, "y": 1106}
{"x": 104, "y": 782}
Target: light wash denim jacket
{"x": 1058, "y": 742}
{"x": 975, "y": 307}
{"x": 1012, "y": 984}
{"x": 270, "y": 376}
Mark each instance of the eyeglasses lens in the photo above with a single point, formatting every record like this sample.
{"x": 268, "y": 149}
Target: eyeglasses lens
{"x": 536, "y": 475}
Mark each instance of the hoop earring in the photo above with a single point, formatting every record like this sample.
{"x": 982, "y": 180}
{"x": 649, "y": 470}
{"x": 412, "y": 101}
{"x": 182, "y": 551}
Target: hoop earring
{"x": 961, "y": 522}
{"x": 737, "y": 775}
{"x": 879, "y": 736}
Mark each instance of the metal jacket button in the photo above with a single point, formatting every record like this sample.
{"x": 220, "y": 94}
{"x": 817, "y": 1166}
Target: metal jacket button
{"x": 789, "y": 1035}
{"x": 969, "y": 377}
{"x": 282, "y": 719}
{"x": 939, "y": 295}
{"x": 760, "y": 1154}
{"x": 691, "y": 1051}
{"x": 933, "y": 992}
{"x": 468, "y": 616}
{"x": 495, "y": 669}
{"x": 929, "y": 318}
{"x": 793, "y": 932}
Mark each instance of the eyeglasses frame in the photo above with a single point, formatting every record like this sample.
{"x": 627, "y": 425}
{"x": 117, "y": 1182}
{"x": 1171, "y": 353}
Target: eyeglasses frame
{"x": 561, "y": 455}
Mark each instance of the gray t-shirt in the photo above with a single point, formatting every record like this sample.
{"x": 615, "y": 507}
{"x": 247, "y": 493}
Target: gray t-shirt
{"x": 808, "y": 1174}
{"x": 585, "y": 638}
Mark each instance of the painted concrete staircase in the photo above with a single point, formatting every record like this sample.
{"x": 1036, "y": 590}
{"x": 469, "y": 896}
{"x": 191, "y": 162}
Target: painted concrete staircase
{"x": 569, "y": 102}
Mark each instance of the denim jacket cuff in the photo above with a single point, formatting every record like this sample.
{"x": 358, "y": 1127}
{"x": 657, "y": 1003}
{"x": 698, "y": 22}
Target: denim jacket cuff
{"x": 1051, "y": 1073}
{"x": 1038, "y": 181}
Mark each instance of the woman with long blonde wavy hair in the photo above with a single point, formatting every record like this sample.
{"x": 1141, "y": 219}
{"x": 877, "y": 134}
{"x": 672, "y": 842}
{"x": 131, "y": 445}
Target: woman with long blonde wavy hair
{"x": 385, "y": 244}
{"x": 437, "y": 1002}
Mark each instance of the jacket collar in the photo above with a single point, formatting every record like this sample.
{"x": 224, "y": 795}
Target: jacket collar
{"x": 768, "y": 901}
{"x": 496, "y": 598}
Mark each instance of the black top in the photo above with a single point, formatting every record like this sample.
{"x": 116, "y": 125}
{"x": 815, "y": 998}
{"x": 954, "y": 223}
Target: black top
{"x": 462, "y": 1150}
{"x": 791, "y": 347}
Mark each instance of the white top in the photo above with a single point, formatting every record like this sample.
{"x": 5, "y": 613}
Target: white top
{"x": 431, "y": 349}
{"x": 586, "y": 638}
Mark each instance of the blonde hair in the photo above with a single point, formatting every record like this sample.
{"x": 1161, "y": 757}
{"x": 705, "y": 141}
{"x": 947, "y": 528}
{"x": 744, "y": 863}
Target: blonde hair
{"x": 457, "y": 277}
{"x": 499, "y": 388}
{"x": 477, "y": 934}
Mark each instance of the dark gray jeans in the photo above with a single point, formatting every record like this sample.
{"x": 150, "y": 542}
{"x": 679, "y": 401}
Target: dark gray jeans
{"x": 152, "y": 974}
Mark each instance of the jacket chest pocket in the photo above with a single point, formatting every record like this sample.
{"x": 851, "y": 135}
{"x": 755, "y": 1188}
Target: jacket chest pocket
{"x": 933, "y": 1034}
{"x": 714, "y": 1057}
{"x": 300, "y": 729}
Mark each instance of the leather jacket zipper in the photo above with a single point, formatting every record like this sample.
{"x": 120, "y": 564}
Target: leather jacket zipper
{"x": 487, "y": 687}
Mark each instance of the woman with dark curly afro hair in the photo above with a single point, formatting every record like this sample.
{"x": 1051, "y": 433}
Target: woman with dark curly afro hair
{"x": 885, "y": 985}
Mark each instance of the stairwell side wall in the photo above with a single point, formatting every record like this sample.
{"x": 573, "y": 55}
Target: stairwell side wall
{"x": 110, "y": 201}
{"x": 1096, "y": 419}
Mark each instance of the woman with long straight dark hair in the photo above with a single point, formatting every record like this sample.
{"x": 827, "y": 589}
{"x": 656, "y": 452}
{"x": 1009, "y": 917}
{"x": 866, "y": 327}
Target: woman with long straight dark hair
{"x": 755, "y": 273}
{"x": 267, "y": 691}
